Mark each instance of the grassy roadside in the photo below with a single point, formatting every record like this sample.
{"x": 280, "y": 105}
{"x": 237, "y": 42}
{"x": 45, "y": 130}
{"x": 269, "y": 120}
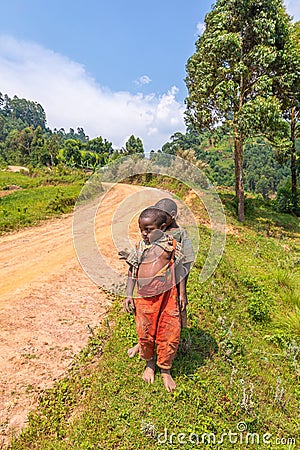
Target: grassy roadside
{"x": 237, "y": 370}
{"x": 33, "y": 199}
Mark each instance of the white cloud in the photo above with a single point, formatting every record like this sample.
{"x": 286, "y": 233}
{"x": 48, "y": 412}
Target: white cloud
{"x": 293, "y": 8}
{"x": 71, "y": 98}
{"x": 200, "y": 28}
{"x": 144, "y": 79}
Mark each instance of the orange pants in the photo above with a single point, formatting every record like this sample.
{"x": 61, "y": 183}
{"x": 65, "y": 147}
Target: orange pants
{"x": 158, "y": 322}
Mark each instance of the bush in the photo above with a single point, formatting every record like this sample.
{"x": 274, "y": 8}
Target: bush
{"x": 258, "y": 300}
{"x": 258, "y": 308}
{"x": 286, "y": 201}
{"x": 61, "y": 203}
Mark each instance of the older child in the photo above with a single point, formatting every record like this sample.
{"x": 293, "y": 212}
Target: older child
{"x": 168, "y": 206}
{"x": 156, "y": 307}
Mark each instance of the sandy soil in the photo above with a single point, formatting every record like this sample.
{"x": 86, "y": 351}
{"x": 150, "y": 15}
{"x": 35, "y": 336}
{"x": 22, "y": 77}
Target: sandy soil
{"x": 47, "y": 306}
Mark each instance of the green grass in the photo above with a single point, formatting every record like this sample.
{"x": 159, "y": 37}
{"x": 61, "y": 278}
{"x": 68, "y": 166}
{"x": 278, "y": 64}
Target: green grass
{"x": 18, "y": 179}
{"x": 28, "y": 207}
{"x": 57, "y": 176}
{"x": 42, "y": 197}
{"x": 237, "y": 364}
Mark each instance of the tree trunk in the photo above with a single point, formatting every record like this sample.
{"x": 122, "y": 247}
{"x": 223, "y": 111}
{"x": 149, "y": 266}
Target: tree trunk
{"x": 239, "y": 183}
{"x": 293, "y": 155}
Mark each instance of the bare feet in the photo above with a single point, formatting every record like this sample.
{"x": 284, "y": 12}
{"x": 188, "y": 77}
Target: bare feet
{"x": 148, "y": 375}
{"x": 169, "y": 383}
{"x": 133, "y": 351}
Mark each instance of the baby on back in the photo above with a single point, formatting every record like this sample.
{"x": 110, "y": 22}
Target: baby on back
{"x": 153, "y": 256}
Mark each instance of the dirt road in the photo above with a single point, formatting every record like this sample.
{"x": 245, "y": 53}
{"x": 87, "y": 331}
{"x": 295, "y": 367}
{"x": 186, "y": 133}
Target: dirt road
{"x": 47, "y": 305}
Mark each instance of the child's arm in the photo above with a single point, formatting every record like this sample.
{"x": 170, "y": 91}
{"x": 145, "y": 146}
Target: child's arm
{"x": 182, "y": 295}
{"x": 187, "y": 268}
{"x": 129, "y": 302}
{"x": 181, "y": 277}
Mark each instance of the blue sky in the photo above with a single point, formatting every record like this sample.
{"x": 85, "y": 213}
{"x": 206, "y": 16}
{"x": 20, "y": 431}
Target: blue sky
{"x": 114, "y": 67}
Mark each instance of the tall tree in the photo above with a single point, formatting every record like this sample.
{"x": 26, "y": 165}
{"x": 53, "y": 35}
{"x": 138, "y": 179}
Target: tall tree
{"x": 289, "y": 94}
{"x": 19, "y": 113}
{"x": 230, "y": 76}
{"x": 53, "y": 143}
{"x": 71, "y": 153}
{"x": 98, "y": 145}
{"x": 38, "y": 150}
{"x": 134, "y": 146}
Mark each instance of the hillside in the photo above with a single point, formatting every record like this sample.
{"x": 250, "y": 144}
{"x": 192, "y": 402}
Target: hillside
{"x": 237, "y": 370}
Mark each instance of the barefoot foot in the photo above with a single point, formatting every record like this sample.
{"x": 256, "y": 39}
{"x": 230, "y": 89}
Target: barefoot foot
{"x": 169, "y": 383}
{"x": 148, "y": 375}
{"x": 133, "y": 351}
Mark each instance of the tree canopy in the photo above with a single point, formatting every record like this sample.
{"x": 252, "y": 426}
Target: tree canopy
{"x": 231, "y": 78}
{"x": 25, "y": 140}
{"x": 18, "y": 113}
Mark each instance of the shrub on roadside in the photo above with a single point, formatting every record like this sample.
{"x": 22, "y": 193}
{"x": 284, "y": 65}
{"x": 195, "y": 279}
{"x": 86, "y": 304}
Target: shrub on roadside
{"x": 286, "y": 201}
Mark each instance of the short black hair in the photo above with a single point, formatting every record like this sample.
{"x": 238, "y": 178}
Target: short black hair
{"x": 167, "y": 205}
{"x": 159, "y": 216}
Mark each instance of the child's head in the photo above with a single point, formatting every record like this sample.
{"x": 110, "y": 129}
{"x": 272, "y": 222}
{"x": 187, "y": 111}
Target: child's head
{"x": 152, "y": 219}
{"x": 168, "y": 206}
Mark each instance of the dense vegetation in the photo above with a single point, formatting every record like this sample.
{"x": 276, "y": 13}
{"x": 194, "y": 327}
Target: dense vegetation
{"x": 263, "y": 171}
{"x": 25, "y": 140}
{"x": 243, "y": 84}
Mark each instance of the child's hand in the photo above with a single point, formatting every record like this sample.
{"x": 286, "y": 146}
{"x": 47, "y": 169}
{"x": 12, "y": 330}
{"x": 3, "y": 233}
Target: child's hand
{"x": 123, "y": 254}
{"x": 129, "y": 304}
{"x": 183, "y": 301}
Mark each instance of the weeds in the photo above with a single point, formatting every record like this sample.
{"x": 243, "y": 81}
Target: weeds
{"x": 258, "y": 301}
{"x": 291, "y": 297}
{"x": 280, "y": 395}
{"x": 285, "y": 278}
{"x": 148, "y": 429}
{"x": 247, "y": 403}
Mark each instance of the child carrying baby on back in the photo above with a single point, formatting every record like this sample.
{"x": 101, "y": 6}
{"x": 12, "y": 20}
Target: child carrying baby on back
{"x": 156, "y": 270}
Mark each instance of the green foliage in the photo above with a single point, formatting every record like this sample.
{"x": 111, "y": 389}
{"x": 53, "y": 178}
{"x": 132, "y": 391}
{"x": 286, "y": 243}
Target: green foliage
{"x": 190, "y": 140}
{"x": 60, "y": 203}
{"x": 19, "y": 113}
{"x": 259, "y": 301}
{"x": 258, "y": 308}
{"x": 25, "y": 140}
{"x": 263, "y": 172}
{"x": 286, "y": 201}
{"x": 239, "y": 63}
{"x": 231, "y": 74}
{"x": 98, "y": 145}
{"x": 70, "y": 154}
{"x": 134, "y": 146}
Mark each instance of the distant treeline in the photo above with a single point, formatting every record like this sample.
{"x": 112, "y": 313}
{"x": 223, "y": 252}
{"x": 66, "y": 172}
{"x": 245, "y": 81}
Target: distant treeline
{"x": 263, "y": 168}
{"x": 26, "y": 140}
